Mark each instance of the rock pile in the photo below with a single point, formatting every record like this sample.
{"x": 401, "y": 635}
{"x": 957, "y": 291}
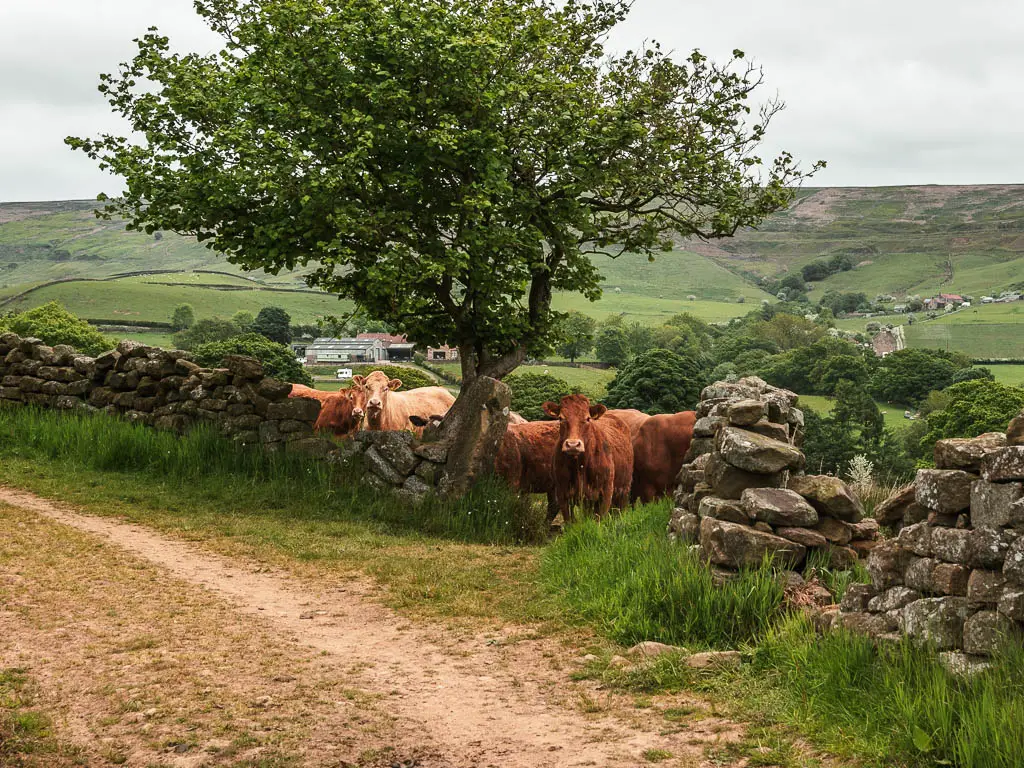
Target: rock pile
{"x": 743, "y": 493}
{"x": 164, "y": 389}
{"x": 954, "y": 574}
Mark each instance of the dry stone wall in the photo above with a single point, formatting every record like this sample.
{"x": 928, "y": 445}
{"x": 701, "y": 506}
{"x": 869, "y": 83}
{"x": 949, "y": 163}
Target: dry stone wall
{"x": 743, "y": 493}
{"x": 953, "y": 576}
{"x": 166, "y": 390}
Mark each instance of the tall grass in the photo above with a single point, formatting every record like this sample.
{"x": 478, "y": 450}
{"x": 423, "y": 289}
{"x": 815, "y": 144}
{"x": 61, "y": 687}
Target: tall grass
{"x": 625, "y": 576}
{"x": 204, "y": 461}
{"x": 894, "y": 703}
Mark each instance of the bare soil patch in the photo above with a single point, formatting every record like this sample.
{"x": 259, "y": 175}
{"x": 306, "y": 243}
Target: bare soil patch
{"x": 152, "y": 652}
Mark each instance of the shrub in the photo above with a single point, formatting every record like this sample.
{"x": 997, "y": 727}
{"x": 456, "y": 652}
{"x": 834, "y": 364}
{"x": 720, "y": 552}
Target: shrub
{"x": 278, "y": 360}
{"x": 55, "y": 325}
{"x": 531, "y": 390}
{"x": 205, "y": 331}
{"x": 973, "y": 408}
{"x": 275, "y": 324}
{"x": 183, "y": 317}
{"x": 657, "y": 381}
{"x": 410, "y": 377}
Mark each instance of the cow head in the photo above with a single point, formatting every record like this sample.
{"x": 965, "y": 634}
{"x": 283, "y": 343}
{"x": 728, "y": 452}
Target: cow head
{"x": 374, "y": 390}
{"x": 575, "y": 414}
{"x": 339, "y": 414}
{"x": 419, "y": 422}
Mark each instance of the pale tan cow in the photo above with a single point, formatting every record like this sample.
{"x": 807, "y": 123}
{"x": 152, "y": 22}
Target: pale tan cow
{"x": 388, "y": 410}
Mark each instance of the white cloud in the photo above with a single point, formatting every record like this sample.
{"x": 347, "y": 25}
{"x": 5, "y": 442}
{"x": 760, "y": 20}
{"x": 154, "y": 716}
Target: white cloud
{"x": 894, "y": 92}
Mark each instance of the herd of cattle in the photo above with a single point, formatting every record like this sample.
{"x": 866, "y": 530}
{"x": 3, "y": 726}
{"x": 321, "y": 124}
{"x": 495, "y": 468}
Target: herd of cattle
{"x": 586, "y": 456}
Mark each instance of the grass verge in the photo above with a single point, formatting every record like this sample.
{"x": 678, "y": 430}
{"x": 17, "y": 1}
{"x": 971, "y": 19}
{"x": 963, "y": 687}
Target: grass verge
{"x": 458, "y": 559}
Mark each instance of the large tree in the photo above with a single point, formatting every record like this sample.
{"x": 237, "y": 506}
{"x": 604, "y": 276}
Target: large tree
{"x": 446, "y": 164}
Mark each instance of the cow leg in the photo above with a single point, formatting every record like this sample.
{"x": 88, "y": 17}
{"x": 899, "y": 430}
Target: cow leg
{"x": 553, "y": 507}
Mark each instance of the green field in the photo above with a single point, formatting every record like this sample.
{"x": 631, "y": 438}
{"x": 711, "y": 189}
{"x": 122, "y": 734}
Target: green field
{"x": 139, "y": 300}
{"x": 593, "y": 380}
{"x": 1011, "y": 375}
{"x": 823, "y": 405}
{"x": 992, "y": 330}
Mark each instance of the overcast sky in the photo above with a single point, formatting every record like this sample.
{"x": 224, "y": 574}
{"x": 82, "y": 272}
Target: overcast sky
{"x": 894, "y": 92}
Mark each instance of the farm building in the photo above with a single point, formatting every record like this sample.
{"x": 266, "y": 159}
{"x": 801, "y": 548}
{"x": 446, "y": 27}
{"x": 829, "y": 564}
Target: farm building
{"x": 442, "y": 353}
{"x": 396, "y": 348}
{"x": 330, "y": 351}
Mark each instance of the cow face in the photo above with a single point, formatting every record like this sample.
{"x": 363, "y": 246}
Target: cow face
{"x": 374, "y": 390}
{"x": 575, "y": 414}
{"x": 338, "y": 414}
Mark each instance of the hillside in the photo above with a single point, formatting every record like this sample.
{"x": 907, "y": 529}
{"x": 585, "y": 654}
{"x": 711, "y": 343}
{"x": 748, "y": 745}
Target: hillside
{"x": 905, "y": 240}
{"x": 45, "y": 242}
{"x": 964, "y": 239}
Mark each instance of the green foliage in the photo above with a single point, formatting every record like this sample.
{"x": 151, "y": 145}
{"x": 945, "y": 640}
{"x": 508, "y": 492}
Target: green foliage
{"x": 278, "y": 360}
{"x": 858, "y": 429}
{"x": 815, "y": 368}
{"x": 274, "y": 323}
{"x": 685, "y": 334}
{"x": 627, "y": 578}
{"x": 973, "y": 374}
{"x": 829, "y": 372}
{"x": 840, "y": 303}
{"x": 410, "y": 377}
{"x": 788, "y": 331}
{"x": 205, "y": 331}
{"x": 576, "y": 332}
{"x": 183, "y": 317}
{"x": 531, "y": 390}
{"x": 971, "y": 409}
{"x": 657, "y": 381}
{"x": 453, "y": 224}
{"x": 819, "y": 270}
{"x": 618, "y": 342}
{"x": 55, "y": 325}
{"x": 909, "y": 375}
{"x": 244, "y": 321}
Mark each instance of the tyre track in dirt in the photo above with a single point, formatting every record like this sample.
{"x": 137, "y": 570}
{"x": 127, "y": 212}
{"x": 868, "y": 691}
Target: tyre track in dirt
{"x": 469, "y": 701}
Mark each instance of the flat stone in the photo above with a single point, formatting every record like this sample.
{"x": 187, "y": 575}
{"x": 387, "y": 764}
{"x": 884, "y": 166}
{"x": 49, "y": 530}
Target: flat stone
{"x": 984, "y": 587}
{"x": 967, "y": 453}
{"x": 985, "y": 631}
{"x": 863, "y": 623}
{"x": 715, "y": 659}
{"x": 730, "y": 482}
{"x": 988, "y": 547}
{"x": 918, "y": 574}
{"x": 738, "y": 546}
{"x": 805, "y": 536}
{"x": 865, "y": 530}
{"x": 991, "y": 503}
{"x": 857, "y": 597}
{"x": 840, "y": 558}
{"x": 829, "y": 495}
{"x": 950, "y": 579}
{"x": 944, "y": 490}
{"x": 836, "y": 531}
{"x": 744, "y": 413}
{"x": 684, "y": 525}
{"x": 886, "y": 564}
{"x": 1004, "y": 465}
{"x": 917, "y": 538}
{"x": 296, "y": 408}
{"x": 708, "y": 426}
{"x": 962, "y": 665}
{"x": 951, "y": 545}
{"x": 649, "y": 649}
{"x": 937, "y": 620}
{"x": 778, "y": 506}
{"x": 757, "y": 453}
{"x": 379, "y": 466}
{"x": 893, "y": 599}
{"x": 723, "y": 509}
{"x": 1013, "y": 566}
{"x": 1011, "y": 604}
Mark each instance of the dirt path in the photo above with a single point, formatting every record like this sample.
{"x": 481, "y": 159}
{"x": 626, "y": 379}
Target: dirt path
{"x": 435, "y": 698}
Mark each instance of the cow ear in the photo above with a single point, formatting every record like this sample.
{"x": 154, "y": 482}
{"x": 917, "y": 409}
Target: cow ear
{"x": 553, "y": 410}
{"x": 597, "y": 410}
{"x": 394, "y": 384}
{"x": 418, "y": 421}
{"x": 358, "y": 380}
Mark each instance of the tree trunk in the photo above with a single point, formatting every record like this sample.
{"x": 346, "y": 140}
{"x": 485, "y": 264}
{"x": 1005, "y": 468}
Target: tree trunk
{"x": 473, "y": 430}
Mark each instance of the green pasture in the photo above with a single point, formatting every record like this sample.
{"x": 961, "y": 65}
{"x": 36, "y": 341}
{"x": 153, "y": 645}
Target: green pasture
{"x": 140, "y": 300}
{"x": 592, "y": 380}
{"x": 893, "y": 414}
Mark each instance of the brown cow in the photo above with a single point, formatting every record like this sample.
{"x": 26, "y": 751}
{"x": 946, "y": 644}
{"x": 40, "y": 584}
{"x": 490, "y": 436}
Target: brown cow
{"x": 593, "y": 460}
{"x": 524, "y": 459}
{"x": 340, "y": 412}
{"x": 658, "y": 450}
{"x": 631, "y": 417}
{"x": 388, "y": 410}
